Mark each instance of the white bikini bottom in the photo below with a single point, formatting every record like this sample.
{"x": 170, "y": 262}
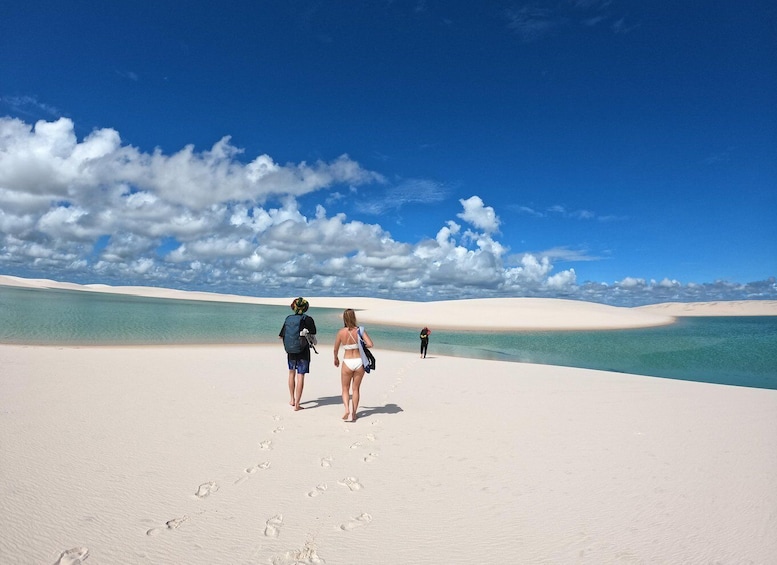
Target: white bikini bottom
{"x": 353, "y": 363}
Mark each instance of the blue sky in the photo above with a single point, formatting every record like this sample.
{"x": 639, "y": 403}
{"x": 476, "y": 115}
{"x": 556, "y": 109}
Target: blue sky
{"x": 621, "y": 152}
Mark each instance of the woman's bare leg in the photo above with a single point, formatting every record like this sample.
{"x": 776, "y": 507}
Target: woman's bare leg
{"x": 358, "y": 375}
{"x": 346, "y": 375}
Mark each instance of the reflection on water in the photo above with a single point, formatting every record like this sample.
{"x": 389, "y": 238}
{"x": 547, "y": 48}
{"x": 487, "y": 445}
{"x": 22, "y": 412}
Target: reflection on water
{"x": 741, "y": 351}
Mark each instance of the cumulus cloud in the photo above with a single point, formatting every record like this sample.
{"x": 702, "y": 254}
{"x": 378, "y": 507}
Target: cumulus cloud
{"x": 98, "y": 210}
{"x": 479, "y": 215}
{"x": 109, "y": 208}
{"x": 48, "y": 160}
{"x": 630, "y": 282}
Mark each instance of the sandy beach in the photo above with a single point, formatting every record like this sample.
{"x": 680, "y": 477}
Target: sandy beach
{"x": 175, "y": 454}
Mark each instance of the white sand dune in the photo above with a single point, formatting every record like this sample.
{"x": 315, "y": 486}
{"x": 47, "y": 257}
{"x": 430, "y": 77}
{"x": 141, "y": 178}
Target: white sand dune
{"x": 474, "y": 314}
{"x": 720, "y": 308}
{"x": 192, "y": 455}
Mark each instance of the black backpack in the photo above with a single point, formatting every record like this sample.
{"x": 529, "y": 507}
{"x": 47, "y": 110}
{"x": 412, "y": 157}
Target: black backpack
{"x": 292, "y": 341}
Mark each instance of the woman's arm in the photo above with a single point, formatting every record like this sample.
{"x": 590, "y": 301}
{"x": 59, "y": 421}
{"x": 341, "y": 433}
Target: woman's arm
{"x": 338, "y": 340}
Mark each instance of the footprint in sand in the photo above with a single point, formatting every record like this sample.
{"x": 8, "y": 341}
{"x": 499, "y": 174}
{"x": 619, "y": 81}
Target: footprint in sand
{"x": 206, "y": 489}
{"x": 361, "y": 520}
{"x": 277, "y": 418}
{"x": 370, "y": 457}
{"x": 318, "y": 491}
{"x": 305, "y": 556}
{"x": 326, "y": 462}
{"x": 371, "y": 437}
{"x": 74, "y": 556}
{"x": 356, "y": 445}
{"x": 265, "y": 445}
{"x": 252, "y": 470}
{"x": 278, "y": 430}
{"x": 352, "y": 483}
{"x": 255, "y": 468}
{"x": 272, "y": 527}
{"x": 173, "y": 524}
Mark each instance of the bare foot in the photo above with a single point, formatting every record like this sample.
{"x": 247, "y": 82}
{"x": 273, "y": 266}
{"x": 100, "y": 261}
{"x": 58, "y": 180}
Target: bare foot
{"x": 346, "y": 416}
{"x": 291, "y": 402}
{"x": 298, "y": 407}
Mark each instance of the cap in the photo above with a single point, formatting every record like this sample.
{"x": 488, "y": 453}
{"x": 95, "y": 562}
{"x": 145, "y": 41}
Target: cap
{"x": 300, "y": 305}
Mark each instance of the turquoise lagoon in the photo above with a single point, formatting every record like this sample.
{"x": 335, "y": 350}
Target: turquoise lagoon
{"x": 727, "y": 350}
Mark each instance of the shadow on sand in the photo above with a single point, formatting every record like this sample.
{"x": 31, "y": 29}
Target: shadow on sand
{"x": 323, "y": 401}
{"x": 364, "y": 412}
{"x": 368, "y": 411}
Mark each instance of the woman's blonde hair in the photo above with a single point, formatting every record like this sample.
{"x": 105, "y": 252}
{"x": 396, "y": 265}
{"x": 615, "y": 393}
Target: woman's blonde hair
{"x": 349, "y": 318}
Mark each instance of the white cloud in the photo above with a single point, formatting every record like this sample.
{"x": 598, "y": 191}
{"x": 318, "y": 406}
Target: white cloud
{"x": 532, "y": 271}
{"x": 561, "y": 211}
{"x": 107, "y": 212}
{"x": 142, "y": 266}
{"x": 124, "y": 247}
{"x": 529, "y": 211}
{"x": 28, "y": 105}
{"x": 65, "y": 223}
{"x": 666, "y": 283}
{"x": 630, "y": 282}
{"x": 47, "y": 159}
{"x": 479, "y": 215}
{"x": 564, "y": 280}
{"x": 566, "y": 254}
{"x": 406, "y": 192}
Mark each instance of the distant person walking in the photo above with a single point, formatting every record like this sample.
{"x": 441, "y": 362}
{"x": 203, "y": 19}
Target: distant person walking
{"x": 352, "y": 367}
{"x": 424, "y": 341}
{"x": 298, "y": 334}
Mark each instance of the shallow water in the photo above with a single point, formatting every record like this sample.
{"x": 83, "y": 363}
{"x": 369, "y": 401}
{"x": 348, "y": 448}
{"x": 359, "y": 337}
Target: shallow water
{"x": 727, "y": 350}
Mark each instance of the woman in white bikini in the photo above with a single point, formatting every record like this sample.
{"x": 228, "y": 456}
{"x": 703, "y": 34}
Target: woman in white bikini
{"x": 352, "y": 369}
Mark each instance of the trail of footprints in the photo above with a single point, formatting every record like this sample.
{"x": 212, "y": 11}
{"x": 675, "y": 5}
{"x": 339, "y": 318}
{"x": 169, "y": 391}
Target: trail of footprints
{"x": 273, "y": 525}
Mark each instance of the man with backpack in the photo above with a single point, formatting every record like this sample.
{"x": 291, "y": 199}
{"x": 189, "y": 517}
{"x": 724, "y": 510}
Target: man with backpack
{"x": 299, "y": 335}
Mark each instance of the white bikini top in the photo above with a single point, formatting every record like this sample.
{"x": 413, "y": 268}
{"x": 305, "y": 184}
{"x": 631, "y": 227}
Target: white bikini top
{"x": 351, "y": 345}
